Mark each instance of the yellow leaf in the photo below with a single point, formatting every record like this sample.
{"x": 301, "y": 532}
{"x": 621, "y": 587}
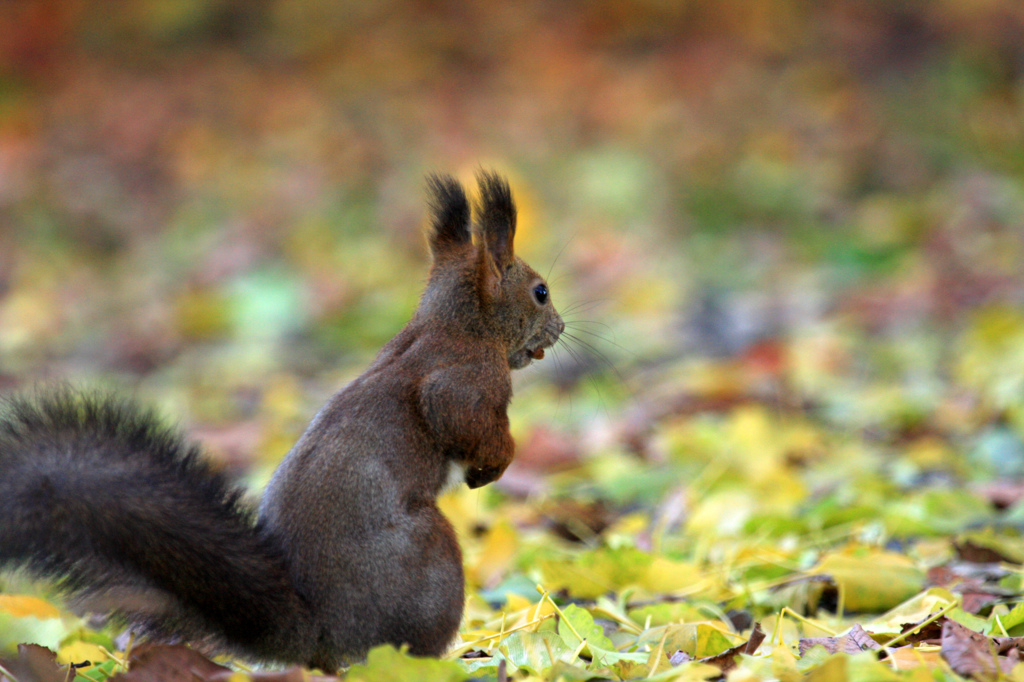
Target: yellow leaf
{"x": 697, "y": 639}
{"x": 516, "y": 602}
{"x": 743, "y": 675}
{"x": 908, "y": 657}
{"x": 475, "y": 635}
{"x": 462, "y": 508}
{"x": 20, "y": 606}
{"x": 498, "y": 551}
{"x": 666, "y": 575}
{"x": 710, "y": 641}
{"x": 525, "y": 613}
{"x": 913, "y": 610}
{"x": 784, "y": 664}
{"x": 832, "y": 670}
{"x": 872, "y": 580}
{"x": 29, "y": 619}
{"x": 77, "y": 652}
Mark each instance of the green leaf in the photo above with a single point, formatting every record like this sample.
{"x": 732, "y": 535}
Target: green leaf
{"x": 1014, "y": 619}
{"x": 387, "y": 664}
{"x": 99, "y": 673}
{"x": 578, "y": 626}
{"x": 969, "y": 620}
{"x": 668, "y": 612}
{"x": 533, "y": 651}
{"x": 578, "y": 622}
{"x": 697, "y": 639}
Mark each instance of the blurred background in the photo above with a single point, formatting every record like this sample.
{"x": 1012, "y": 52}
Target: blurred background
{"x": 806, "y": 210}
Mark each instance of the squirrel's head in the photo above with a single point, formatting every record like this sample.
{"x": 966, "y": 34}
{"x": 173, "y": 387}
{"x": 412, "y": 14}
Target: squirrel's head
{"x": 477, "y": 281}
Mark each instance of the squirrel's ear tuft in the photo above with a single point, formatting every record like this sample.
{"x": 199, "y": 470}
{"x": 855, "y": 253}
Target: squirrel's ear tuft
{"x": 449, "y": 209}
{"x": 497, "y": 218}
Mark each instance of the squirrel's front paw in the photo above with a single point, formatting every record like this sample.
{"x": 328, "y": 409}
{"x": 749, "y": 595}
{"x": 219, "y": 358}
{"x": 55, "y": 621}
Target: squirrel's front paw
{"x": 477, "y": 477}
{"x": 489, "y": 463}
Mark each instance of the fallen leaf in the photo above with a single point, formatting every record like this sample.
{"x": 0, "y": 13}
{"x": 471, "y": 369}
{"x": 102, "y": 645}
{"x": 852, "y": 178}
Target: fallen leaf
{"x": 727, "y": 659}
{"x": 909, "y": 657}
{"x": 578, "y": 521}
{"x": 853, "y": 642}
{"x": 77, "y": 652}
{"x": 20, "y": 605}
{"x": 170, "y": 663}
{"x": 969, "y": 551}
{"x": 872, "y": 580}
{"x": 973, "y": 654}
{"x": 34, "y": 663}
{"x": 930, "y": 633}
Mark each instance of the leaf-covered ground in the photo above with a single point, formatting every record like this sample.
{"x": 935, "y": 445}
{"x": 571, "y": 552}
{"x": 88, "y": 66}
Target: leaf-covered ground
{"x": 784, "y": 437}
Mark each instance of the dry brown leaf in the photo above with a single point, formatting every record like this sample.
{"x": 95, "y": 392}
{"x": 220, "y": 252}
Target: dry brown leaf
{"x": 177, "y": 663}
{"x": 929, "y": 634}
{"x": 853, "y": 642}
{"x": 578, "y": 521}
{"x": 974, "y": 655}
{"x": 34, "y": 663}
{"x": 170, "y": 663}
{"x": 978, "y": 583}
{"x": 727, "y": 659}
{"x": 969, "y": 551}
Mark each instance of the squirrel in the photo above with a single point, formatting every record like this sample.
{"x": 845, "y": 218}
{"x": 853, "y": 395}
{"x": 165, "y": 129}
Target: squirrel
{"x": 348, "y": 548}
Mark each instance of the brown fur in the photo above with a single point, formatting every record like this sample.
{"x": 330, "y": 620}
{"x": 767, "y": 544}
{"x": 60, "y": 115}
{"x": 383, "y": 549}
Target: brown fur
{"x": 355, "y": 500}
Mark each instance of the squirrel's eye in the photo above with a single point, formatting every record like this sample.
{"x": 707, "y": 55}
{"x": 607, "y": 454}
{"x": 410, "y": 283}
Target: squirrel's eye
{"x": 540, "y": 292}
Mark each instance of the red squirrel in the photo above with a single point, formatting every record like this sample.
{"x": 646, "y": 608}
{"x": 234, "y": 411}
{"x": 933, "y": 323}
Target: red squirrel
{"x": 349, "y": 549}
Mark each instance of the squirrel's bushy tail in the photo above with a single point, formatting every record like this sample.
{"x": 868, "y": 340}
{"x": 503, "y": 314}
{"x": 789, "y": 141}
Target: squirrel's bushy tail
{"x": 129, "y": 518}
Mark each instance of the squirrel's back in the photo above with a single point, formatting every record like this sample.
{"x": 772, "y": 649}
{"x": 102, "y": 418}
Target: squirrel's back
{"x": 128, "y": 517}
